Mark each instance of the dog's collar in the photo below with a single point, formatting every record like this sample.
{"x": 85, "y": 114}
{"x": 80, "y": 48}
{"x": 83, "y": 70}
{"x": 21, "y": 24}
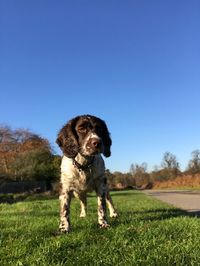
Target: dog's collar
{"x": 84, "y": 167}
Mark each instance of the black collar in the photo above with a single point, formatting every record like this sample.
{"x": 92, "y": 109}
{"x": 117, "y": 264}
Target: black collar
{"x": 84, "y": 167}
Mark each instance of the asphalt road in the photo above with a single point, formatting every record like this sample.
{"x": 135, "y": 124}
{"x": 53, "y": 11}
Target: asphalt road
{"x": 188, "y": 200}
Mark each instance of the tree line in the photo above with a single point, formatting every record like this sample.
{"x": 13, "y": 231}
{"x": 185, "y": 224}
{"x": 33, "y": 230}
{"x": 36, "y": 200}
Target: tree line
{"x": 25, "y": 156}
{"x": 169, "y": 169}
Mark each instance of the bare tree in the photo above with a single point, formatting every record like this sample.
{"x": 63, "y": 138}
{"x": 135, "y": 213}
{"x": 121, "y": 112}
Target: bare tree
{"x": 170, "y": 166}
{"x": 170, "y": 161}
{"x": 140, "y": 175}
{"x": 194, "y": 163}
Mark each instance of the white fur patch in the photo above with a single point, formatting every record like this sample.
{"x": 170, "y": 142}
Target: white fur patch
{"x": 90, "y": 136}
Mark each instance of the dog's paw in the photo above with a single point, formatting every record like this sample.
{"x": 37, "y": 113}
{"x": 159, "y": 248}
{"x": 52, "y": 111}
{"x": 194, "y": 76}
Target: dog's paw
{"x": 64, "y": 230}
{"x": 113, "y": 215}
{"x": 104, "y": 225}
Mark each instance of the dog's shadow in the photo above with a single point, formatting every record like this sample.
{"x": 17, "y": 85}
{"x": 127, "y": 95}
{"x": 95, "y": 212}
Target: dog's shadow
{"x": 161, "y": 214}
{"x": 132, "y": 217}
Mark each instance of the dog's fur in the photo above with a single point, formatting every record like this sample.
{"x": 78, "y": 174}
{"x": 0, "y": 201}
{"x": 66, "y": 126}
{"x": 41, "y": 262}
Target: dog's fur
{"x": 82, "y": 141}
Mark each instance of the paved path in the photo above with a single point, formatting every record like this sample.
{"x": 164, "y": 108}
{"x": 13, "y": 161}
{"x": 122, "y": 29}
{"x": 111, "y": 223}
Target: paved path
{"x": 188, "y": 200}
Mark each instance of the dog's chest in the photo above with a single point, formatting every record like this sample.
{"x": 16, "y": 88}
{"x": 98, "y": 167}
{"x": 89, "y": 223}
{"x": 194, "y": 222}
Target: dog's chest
{"x": 85, "y": 180}
{"x": 76, "y": 179}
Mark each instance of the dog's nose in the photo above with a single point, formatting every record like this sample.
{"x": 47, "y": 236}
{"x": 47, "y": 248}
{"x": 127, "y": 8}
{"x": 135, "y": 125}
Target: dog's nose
{"x": 96, "y": 143}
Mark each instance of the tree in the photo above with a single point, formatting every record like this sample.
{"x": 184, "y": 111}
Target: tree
{"x": 25, "y": 156}
{"x": 194, "y": 163}
{"x": 170, "y": 166}
{"x": 169, "y": 161}
{"x": 7, "y": 144}
{"x": 118, "y": 180}
{"x": 140, "y": 175}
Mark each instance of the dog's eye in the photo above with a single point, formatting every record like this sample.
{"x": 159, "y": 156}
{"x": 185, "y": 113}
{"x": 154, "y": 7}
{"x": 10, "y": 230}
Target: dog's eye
{"x": 82, "y": 129}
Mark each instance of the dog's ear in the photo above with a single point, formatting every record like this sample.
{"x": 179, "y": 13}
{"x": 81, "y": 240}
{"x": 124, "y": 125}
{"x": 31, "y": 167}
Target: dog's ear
{"x": 67, "y": 139}
{"x": 107, "y": 142}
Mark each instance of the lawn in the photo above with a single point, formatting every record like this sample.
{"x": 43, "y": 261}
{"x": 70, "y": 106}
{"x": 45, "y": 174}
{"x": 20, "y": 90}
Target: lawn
{"x": 147, "y": 232}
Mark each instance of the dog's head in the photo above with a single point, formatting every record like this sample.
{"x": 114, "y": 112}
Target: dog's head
{"x": 84, "y": 134}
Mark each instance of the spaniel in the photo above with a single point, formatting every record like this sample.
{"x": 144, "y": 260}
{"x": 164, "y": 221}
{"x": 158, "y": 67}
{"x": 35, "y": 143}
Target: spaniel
{"x": 83, "y": 140}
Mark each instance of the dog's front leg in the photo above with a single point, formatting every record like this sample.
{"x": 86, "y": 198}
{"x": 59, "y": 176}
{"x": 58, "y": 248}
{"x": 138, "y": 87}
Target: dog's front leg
{"x": 101, "y": 198}
{"x": 65, "y": 199}
{"x": 83, "y": 201}
{"x": 113, "y": 213}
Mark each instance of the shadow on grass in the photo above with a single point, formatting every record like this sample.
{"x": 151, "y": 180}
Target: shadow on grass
{"x": 157, "y": 214}
{"x": 31, "y": 214}
{"x": 194, "y": 213}
{"x": 15, "y": 198}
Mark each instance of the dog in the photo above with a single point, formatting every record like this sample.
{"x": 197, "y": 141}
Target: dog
{"x": 82, "y": 140}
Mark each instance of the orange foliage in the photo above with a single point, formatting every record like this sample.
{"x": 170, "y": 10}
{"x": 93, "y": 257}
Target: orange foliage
{"x": 192, "y": 181}
{"x": 14, "y": 143}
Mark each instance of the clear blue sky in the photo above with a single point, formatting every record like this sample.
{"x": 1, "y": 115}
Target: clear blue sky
{"x": 135, "y": 64}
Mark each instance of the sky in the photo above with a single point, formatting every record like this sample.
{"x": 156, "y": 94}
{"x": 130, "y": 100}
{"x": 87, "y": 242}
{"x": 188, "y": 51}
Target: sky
{"x": 135, "y": 64}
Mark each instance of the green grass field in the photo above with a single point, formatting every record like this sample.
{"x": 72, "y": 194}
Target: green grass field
{"x": 147, "y": 232}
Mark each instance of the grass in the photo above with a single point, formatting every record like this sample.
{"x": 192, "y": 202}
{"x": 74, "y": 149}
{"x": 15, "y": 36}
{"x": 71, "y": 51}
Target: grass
{"x": 147, "y": 232}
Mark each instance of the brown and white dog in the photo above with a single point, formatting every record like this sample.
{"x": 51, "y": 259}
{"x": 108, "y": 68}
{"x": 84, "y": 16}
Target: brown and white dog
{"x": 82, "y": 141}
